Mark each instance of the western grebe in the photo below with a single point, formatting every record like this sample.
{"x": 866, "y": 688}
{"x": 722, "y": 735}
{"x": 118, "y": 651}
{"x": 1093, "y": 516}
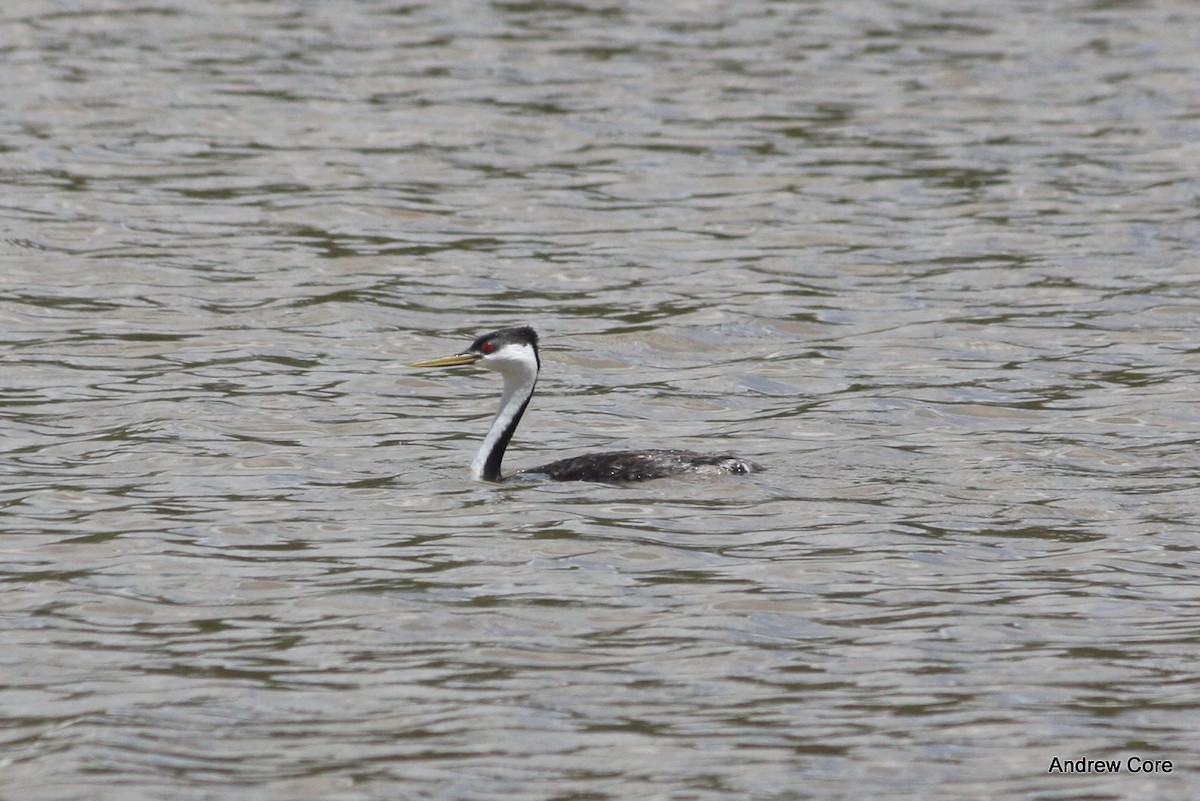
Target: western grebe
{"x": 513, "y": 352}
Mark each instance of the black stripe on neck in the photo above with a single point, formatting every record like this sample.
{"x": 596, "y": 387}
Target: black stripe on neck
{"x": 491, "y": 467}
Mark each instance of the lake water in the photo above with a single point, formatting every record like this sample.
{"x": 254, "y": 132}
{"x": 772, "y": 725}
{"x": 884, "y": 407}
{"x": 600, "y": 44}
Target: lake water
{"x": 932, "y": 263}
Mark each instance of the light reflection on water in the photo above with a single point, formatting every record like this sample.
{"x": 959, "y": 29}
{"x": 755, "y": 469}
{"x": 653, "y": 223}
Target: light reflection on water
{"x": 929, "y": 265}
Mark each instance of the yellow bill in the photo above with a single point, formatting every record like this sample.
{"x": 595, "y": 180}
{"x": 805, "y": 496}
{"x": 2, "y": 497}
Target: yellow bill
{"x": 449, "y": 361}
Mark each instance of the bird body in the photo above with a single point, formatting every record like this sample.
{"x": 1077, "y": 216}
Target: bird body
{"x": 623, "y": 466}
{"x": 513, "y": 352}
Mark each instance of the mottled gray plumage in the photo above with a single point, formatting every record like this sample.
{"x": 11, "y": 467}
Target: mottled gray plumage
{"x": 622, "y": 466}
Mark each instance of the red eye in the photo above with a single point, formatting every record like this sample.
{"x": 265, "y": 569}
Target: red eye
{"x": 487, "y": 347}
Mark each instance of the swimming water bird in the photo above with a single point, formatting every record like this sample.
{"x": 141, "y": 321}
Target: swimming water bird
{"x": 513, "y": 352}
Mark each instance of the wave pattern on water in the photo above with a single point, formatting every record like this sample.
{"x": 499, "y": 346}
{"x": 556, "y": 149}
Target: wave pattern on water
{"x": 931, "y": 264}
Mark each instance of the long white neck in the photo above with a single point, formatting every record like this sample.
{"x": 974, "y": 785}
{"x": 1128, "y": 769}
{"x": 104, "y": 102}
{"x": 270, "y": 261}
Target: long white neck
{"x": 520, "y": 376}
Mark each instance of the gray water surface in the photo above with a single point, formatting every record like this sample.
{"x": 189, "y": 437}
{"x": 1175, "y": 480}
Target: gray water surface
{"x": 932, "y": 263}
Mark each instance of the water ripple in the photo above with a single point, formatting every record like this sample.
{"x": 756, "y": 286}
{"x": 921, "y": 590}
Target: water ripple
{"x": 932, "y": 265}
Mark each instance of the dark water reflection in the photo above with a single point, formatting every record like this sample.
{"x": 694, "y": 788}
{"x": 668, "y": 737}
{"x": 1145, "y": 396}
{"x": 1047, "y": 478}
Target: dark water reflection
{"x": 931, "y": 263}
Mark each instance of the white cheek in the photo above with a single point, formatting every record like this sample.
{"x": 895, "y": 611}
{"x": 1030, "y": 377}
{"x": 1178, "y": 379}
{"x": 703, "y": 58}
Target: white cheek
{"x": 512, "y": 359}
